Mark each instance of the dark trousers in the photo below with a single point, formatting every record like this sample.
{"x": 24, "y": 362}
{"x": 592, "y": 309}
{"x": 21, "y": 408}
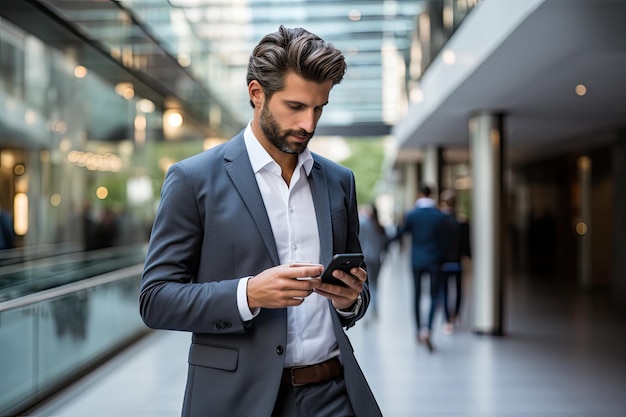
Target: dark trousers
{"x": 457, "y": 282}
{"x": 328, "y": 399}
{"x": 436, "y": 278}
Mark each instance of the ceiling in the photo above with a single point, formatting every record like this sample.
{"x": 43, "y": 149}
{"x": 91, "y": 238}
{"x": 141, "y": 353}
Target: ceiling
{"x": 531, "y": 77}
{"x": 194, "y": 53}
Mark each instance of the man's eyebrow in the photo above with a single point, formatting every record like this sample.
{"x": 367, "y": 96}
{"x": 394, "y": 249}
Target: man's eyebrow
{"x": 303, "y": 104}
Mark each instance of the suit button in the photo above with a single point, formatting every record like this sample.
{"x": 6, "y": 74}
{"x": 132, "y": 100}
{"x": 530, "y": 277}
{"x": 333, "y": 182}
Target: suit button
{"x": 221, "y": 325}
{"x": 280, "y": 350}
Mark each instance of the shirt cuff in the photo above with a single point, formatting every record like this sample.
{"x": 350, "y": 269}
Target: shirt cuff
{"x": 242, "y": 301}
{"x": 354, "y": 311}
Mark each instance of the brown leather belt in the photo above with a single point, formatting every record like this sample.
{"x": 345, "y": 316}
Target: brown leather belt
{"x": 312, "y": 374}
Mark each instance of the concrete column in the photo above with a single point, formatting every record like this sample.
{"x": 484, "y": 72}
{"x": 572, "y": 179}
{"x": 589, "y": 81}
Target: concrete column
{"x": 431, "y": 168}
{"x": 411, "y": 179}
{"x": 619, "y": 201}
{"x": 488, "y": 222}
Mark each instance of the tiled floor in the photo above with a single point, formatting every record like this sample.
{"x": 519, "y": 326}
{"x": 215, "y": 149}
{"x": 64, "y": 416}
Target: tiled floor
{"x": 563, "y": 355}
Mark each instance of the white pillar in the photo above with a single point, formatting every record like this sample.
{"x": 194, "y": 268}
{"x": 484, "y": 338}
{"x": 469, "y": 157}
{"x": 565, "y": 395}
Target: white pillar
{"x": 486, "y": 144}
{"x": 430, "y": 169}
{"x": 411, "y": 182}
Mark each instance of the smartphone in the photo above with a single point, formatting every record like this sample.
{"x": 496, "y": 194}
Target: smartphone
{"x": 343, "y": 261}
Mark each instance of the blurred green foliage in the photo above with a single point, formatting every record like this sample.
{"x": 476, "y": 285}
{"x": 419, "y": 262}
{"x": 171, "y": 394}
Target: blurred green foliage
{"x": 366, "y": 161}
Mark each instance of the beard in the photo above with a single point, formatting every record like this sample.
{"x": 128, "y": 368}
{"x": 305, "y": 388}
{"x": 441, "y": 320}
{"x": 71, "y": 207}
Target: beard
{"x": 278, "y": 137}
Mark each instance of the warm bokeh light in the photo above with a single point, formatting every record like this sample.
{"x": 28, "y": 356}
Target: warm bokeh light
{"x": 55, "y": 200}
{"x": 581, "y": 228}
{"x": 20, "y": 210}
{"x": 144, "y": 105}
{"x": 140, "y": 122}
{"x": 102, "y": 192}
{"x": 125, "y": 90}
{"x": 19, "y": 169}
{"x": 584, "y": 162}
{"x": 107, "y": 162}
{"x": 7, "y": 159}
{"x": 173, "y": 118}
{"x": 80, "y": 71}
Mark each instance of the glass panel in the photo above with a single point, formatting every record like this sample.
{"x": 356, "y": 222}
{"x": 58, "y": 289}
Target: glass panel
{"x": 17, "y": 367}
{"x": 48, "y": 343}
{"x": 78, "y": 328}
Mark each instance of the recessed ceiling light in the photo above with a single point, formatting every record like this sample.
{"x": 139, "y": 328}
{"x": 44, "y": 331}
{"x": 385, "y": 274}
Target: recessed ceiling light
{"x": 580, "y": 90}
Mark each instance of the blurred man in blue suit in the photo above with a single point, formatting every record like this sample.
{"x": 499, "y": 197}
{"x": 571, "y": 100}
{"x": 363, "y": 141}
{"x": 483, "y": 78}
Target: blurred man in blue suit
{"x": 427, "y": 226}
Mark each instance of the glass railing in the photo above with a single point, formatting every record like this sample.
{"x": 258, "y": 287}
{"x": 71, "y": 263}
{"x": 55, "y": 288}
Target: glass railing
{"x": 21, "y": 279}
{"x": 51, "y": 337}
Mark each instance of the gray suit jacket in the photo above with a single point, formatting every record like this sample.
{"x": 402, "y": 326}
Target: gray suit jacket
{"x": 211, "y": 229}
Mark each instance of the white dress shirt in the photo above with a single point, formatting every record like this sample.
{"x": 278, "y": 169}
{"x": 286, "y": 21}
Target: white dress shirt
{"x": 310, "y": 336}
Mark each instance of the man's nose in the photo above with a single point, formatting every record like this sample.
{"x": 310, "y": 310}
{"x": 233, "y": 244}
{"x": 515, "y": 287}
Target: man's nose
{"x": 308, "y": 120}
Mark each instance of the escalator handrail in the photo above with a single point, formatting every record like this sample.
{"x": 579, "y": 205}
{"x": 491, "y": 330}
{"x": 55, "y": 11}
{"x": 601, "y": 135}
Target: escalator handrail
{"x": 84, "y": 284}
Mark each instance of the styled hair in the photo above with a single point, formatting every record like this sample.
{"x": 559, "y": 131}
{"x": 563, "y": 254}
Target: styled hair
{"x": 297, "y": 50}
{"x": 425, "y": 189}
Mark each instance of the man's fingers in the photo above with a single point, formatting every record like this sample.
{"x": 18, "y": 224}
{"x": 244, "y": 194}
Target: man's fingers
{"x": 301, "y": 270}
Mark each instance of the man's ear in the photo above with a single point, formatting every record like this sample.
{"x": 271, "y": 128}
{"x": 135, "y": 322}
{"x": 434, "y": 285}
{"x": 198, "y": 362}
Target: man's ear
{"x": 255, "y": 92}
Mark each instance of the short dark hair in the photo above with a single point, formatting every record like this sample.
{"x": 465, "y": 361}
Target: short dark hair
{"x": 425, "y": 189}
{"x": 296, "y": 50}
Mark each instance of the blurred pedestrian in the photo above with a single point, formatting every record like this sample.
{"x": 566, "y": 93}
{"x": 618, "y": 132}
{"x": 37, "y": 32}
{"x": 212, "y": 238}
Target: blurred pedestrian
{"x": 427, "y": 227}
{"x": 374, "y": 243}
{"x": 7, "y": 233}
{"x": 452, "y": 267}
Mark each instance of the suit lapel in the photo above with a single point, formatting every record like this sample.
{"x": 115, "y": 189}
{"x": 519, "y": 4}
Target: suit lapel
{"x": 238, "y": 168}
{"x": 321, "y": 201}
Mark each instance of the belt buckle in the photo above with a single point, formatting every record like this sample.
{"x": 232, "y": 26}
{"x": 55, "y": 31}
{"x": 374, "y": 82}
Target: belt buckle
{"x": 291, "y": 375}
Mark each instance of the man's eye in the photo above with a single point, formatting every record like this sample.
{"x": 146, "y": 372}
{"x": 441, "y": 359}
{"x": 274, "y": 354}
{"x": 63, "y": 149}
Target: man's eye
{"x": 295, "y": 106}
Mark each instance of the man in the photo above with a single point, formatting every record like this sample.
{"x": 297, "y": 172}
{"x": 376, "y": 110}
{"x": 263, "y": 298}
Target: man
{"x": 236, "y": 247}
{"x": 452, "y": 268}
{"x": 374, "y": 242}
{"x": 427, "y": 226}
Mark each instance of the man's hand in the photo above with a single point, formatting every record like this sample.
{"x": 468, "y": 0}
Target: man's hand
{"x": 284, "y": 285}
{"x": 344, "y": 297}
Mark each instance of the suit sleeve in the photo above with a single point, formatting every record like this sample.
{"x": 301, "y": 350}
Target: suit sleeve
{"x": 170, "y": 296}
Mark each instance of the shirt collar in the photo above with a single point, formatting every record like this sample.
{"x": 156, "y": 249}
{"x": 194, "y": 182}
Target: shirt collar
{"x": 259, "y": 158}
{"x": 425, "y": 202}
